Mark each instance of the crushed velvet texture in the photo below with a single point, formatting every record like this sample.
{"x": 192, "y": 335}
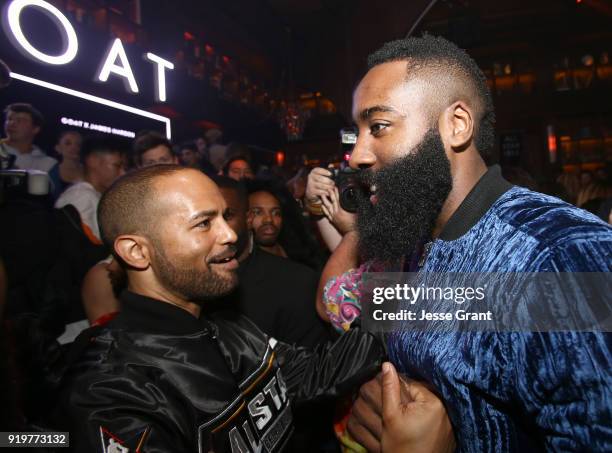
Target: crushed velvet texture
{"x": 508, "y": 392}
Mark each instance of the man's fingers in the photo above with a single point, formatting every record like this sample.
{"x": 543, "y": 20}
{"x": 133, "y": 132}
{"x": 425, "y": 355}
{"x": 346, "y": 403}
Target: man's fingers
{"x": 371, "y": 393}
{"x": 391, "y": 399}
{"x": 335, "y": 196}
{"x": 363, "y": 436}
{"x": 320, "y": 171}
{"x": 326, "y": 212}
{"x": 367, "y": 417}
{"x": 327, "y": 203}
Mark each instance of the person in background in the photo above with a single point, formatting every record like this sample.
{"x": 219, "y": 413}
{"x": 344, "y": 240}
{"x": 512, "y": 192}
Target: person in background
{"x": 103, "y": 163}
{"x": 265, "y": 220}
{"x": 238, "y": 167}
{"x": 202, "y": 146}
{"x": 189, "y": 155}
{"x": 152, "y": 148}
{"x": 21, "y": 125}
{"x": 297, "y": 185}
{"x": 70, "y": 169}
{"x": 265, "y": 280}
{"x": 216, "y": 151}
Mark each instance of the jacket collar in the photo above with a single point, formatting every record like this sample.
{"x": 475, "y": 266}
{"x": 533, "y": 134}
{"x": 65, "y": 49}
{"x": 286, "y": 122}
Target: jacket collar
{"x": 487, "y": 191}
{"x": 145, "y": 314}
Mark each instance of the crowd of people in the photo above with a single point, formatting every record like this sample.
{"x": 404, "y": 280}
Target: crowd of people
{"x": 174, "y": 297}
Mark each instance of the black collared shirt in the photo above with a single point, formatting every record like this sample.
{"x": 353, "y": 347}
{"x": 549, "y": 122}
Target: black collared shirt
{"x": 487, "y": 191}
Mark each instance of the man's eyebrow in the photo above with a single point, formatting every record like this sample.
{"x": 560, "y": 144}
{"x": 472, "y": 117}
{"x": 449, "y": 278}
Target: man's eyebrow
{"x": 202, "y": 214}
{"x": 367, "y": 113}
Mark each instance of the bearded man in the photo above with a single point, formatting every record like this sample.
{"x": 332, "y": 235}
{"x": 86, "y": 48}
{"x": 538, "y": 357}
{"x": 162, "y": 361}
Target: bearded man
{"x": 161, "y": 376}
{"x": 424, "y": 115}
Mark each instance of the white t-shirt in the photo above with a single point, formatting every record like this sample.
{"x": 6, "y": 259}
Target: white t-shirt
{"x": 85, "y": 199}
{"x": 35, "y": 160}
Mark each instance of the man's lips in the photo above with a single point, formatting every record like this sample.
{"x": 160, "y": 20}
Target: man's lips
{"x": 230, "y": 265}
{"x": 268, "y": 230}
{"x": 225, "y": 257}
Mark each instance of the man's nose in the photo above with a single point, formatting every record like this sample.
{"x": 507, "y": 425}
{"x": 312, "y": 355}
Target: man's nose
{"x": 361, "y": 156}
{"x": 227, "y": 235}
{"x": 267, "y": 217}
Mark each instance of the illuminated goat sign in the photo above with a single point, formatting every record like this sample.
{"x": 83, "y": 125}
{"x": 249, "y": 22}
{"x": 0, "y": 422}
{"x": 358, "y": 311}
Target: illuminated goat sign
{"x": 115, "y": 61}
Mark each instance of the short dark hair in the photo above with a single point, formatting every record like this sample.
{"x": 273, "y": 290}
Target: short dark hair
{"x": 127, "y": 206}
{"x": 21, "y": 107}
{"x": 101, "y": 145}
{"x": 147, "y": 140}
{"x": 65, "y": 132}
{"x": 266, "y": 185}
{"x": 431, "y": 53}
{"x": 189, "y": 145}
{"x": 234, "y": 158}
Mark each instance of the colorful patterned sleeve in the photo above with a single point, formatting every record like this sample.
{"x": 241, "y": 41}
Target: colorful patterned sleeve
{"x": 341, "y": 296}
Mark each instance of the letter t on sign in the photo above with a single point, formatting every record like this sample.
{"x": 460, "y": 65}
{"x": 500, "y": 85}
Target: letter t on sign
{"x": 160, "y": 75}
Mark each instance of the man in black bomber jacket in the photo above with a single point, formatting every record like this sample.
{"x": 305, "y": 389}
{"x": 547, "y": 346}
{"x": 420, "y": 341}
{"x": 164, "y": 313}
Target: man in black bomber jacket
{"x": 161, "y": 378}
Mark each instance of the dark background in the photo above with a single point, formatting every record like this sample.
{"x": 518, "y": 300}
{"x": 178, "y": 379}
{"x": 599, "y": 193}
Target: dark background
{"x": 242, "y": 64}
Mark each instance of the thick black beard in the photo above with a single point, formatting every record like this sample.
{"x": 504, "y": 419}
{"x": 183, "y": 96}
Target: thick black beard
{"x": 410, "y": 192}
{"x": 191, "y": 284}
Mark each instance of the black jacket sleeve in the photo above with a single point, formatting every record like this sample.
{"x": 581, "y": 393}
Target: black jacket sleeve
{"x": 127, "y": 411}
{"x": 332, "y": 369}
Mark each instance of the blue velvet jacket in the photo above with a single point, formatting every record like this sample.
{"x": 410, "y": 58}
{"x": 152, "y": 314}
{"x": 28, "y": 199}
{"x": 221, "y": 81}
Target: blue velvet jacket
{"x": 512, "y": 391}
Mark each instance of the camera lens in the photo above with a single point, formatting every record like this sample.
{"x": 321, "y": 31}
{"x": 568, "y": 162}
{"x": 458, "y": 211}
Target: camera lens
{"x": 348, "y": 198}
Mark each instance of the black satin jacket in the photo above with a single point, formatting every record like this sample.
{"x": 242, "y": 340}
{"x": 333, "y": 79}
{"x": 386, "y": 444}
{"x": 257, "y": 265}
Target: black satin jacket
{"x": 156, "y": 379}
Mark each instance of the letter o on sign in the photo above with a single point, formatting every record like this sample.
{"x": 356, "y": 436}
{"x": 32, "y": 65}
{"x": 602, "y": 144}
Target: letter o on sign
{"x": 69, "y": 37}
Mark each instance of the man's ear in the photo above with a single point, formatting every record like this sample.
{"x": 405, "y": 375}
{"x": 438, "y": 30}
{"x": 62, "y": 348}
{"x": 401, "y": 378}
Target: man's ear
{"x": 134, "y": 250}
{"x": 457, "y": 126}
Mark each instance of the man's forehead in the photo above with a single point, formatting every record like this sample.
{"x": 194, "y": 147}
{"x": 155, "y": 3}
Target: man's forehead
{"x": 385, "y": 87}
{"x": 14, "y": 114}
{"x": 263, "y": 198}
{"x": 239, "y": 163}
{"x": 186, "y": 193}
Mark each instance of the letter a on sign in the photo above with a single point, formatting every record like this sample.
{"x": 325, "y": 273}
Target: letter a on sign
{"x": 116, "y": 51}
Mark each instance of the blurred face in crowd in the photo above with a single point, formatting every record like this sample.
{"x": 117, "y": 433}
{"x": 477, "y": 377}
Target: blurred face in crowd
{"x": 406, "y": 174}
{"x": 159, "y": 155}
{"x": 236, "y": 217}
{"x": 265, "y": 217}
{"x": 240, "y": 169}
{"x": 19, "y": 127}
{"x": 104, "y": 168}
{"x": 189, "y": 157}
{"x": 69, "y": 146}
{"x": 298, "y": 188}
{"x": 201, "y": 145}
{"x": 194, "y": 254}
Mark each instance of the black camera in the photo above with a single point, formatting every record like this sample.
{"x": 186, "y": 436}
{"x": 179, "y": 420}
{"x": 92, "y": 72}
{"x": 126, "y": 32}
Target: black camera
{"x": 348, "y": 188}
